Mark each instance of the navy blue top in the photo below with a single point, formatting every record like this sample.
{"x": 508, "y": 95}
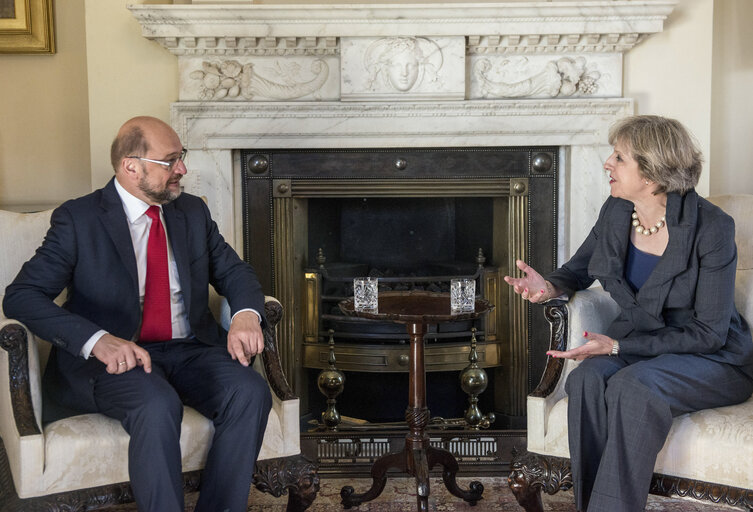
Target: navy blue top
{"x": 639, "y": 266}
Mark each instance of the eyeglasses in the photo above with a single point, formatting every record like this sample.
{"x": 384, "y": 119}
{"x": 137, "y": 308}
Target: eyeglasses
{"x": 167, "y": 164}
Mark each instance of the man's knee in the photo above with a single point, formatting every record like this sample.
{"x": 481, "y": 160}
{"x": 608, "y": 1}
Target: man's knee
{"x": 160, "y": 407}
{"x": 251, "y": 392}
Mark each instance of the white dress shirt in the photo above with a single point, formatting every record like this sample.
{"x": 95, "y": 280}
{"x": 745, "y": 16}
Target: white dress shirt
{"x": 138, "y": 225}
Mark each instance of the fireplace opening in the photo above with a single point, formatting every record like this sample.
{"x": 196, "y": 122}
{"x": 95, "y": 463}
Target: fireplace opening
{"x": 315, "y": 219}
{"x": 401, "y": 235}
{"x": 408, "y": 244}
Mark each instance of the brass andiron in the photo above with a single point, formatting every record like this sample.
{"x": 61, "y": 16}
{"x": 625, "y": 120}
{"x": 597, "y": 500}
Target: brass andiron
{"x": 473, "y": 380}
{"x": 331, "y": 383}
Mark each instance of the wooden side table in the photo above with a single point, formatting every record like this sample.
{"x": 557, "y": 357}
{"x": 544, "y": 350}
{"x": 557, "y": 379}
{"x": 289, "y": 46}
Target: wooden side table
{"x": 416, "y": 310}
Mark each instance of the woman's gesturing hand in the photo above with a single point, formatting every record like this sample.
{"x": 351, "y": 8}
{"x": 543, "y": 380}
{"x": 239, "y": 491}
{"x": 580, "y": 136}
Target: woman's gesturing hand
{"x": 532, "y": 286}
{"x": 597, "y": 345}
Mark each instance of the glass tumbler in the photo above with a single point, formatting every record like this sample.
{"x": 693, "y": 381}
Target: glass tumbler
{"x": 365, "y": 294}
{"x": 462, "y": 295}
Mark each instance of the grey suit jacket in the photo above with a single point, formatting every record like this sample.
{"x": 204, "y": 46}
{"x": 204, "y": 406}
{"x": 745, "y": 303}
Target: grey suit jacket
{"x": 687, "y": 303}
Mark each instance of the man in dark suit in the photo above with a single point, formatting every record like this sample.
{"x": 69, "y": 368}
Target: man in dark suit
{"x": 135, "y": 339}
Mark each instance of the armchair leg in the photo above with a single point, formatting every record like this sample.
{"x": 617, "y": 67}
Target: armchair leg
{"x": 530, "y": 473}
{"x": 295, "y": 475}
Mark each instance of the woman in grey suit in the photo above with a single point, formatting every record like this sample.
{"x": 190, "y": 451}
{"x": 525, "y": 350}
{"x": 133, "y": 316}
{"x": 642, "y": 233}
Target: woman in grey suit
{"x": 668, "y": 258}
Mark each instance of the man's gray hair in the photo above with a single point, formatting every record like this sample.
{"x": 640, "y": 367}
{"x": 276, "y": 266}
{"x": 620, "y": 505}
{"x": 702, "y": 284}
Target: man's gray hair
{"x": 129, "y": 143}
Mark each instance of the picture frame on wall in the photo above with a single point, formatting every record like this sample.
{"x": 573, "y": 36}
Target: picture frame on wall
{"x": 27, "y": 26}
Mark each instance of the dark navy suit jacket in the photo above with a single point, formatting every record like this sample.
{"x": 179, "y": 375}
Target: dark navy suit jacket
{"x": 687, "y": 303}
{"x": 88, "y": 250}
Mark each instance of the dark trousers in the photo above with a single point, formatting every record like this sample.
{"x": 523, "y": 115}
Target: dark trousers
{"x": 150, "y": 408}
{"x": 620, "y": 410}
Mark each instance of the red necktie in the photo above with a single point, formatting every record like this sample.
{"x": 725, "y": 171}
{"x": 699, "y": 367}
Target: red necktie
{"x": 157, "y": 322}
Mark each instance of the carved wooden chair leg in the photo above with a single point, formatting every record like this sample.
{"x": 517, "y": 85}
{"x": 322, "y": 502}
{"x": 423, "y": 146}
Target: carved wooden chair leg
{"x": 530, "y": 473}
{"x": 295, "y": 475}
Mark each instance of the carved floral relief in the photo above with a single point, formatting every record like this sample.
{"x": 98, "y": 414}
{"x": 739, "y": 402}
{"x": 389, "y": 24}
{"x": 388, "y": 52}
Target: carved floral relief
{"x": 282, "y": 80}
{"x": 513, "y": 78}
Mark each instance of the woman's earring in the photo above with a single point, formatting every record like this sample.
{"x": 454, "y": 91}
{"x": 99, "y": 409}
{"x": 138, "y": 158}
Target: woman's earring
{"x": 646, "y": 182}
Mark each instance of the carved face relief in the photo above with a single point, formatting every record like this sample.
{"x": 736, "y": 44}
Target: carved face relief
{"x": 403, "y": 71}
{"x": 402, "y": 63}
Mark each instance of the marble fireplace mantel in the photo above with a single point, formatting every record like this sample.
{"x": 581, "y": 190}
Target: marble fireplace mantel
{"x": 401, "y": 75}
{"x": 233, "y": 28}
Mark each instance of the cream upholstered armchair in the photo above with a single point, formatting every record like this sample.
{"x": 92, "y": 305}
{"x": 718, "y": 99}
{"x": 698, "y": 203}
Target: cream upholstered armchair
{"x": 708, "y": 454}
{"x": 73, "y": 464}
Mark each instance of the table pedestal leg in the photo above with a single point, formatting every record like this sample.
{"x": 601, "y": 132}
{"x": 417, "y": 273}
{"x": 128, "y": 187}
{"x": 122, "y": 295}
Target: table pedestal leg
{"x": 417, "y": 457}
{"x": 379, "y": 479}
{"x": 450, "y": 469}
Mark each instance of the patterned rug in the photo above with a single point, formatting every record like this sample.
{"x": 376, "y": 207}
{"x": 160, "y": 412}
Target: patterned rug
{"x": 399, "y": 496}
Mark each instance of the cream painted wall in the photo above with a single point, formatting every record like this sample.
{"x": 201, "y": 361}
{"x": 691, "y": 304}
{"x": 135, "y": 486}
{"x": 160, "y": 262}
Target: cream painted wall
{"x": 44, "y": 118}
{"x": 669, "y": 73}
{"x": 128, "y": 76}
{"x": 732, "y": 108}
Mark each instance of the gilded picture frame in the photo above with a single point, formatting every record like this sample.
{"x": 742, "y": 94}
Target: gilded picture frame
{"x": 27, "y": 26}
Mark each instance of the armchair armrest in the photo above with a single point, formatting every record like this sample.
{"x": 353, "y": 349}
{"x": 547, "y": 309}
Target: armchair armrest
{"x": 284, "y": 401}
{"x": 271, "y": 355}
{"x": 15, "y": 339}
{"x": 592, "y": 310}
{"x": 20, "y": 401}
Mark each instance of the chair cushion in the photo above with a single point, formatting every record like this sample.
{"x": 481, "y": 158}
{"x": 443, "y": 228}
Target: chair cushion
{"x": 704, "y": 445}
{"x": 91, "y": 449}
{"x": 709, "y": 445}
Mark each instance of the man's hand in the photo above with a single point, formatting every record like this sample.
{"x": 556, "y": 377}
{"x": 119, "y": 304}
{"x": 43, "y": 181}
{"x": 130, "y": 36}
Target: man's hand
{"x": 121, "y": 355}
{"x": 597, "y": 345}
{"x": 245, "y": 339}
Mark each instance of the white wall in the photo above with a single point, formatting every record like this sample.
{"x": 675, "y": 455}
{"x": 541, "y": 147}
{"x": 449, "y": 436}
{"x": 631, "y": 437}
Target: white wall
{"x": 128, "y": 76}
{"x": 731, "y": 106}
{"x": 669, "y": 74}
{"x": 44, "y": 119}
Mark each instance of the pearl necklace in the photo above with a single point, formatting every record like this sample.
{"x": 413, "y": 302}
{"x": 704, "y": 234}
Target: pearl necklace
{"x": 641, "y": 230}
